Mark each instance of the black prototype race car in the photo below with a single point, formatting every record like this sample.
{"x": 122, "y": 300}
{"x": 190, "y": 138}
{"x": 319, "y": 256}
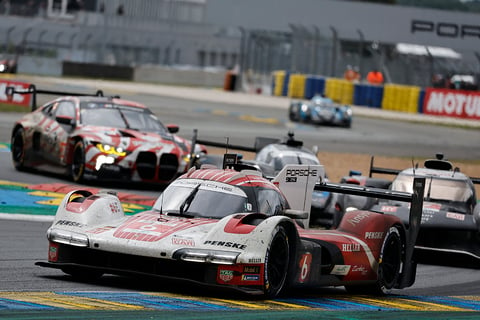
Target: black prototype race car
{"x": 451, "y": 212}
{"x": 271, "y": 156}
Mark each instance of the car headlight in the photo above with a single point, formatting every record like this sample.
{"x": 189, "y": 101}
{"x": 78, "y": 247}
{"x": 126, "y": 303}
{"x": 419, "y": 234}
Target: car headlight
{"x": 2, "y": 68}
{"x": 108, "y": 149}
{"x": 67, "y": 237}
{"x": 207, "y": 256}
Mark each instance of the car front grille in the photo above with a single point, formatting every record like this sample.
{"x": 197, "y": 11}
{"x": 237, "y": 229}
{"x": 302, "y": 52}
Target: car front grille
{"x": 168, "y": 167}
{"x": 146, "y": 163}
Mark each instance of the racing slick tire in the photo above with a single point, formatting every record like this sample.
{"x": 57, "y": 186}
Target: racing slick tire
{"x": 18, "y": 149}
{"x": 77, "y": 168}
{"x": 83, "y": 274}
{"x": 293, "y": 113}
{"x": 389, "y": 266}
{"x": 276, "y": 263}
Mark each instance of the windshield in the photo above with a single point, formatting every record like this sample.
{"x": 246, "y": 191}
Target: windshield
{"x": 281, "y": 162}
{"x": 436, "y": 188}
{"x": 199, "y": 198}
{"x": 119, "y": 116}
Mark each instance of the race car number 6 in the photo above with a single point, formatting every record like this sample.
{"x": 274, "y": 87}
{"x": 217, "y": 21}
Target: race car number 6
{"x": 305, "y": 266}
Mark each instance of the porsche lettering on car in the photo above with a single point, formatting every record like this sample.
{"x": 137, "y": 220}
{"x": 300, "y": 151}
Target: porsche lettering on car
{"x": 95, "y": 137}
{"x": 237, "y": 229}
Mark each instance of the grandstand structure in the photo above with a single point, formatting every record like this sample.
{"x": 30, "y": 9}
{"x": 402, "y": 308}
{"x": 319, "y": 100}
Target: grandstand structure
{"x": 255, "y": 37}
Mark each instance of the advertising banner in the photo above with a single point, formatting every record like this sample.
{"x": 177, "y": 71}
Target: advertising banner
{"x": 452, "y": 103}
{"x": 17, "y": 99}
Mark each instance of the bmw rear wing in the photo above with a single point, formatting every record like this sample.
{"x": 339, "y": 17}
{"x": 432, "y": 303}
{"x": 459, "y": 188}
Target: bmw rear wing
{"x": 32, "y": 89}
{"x": 416, "y": 204}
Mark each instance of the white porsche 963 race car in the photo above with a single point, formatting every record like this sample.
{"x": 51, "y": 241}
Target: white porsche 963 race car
{"x": 236, "y": 229}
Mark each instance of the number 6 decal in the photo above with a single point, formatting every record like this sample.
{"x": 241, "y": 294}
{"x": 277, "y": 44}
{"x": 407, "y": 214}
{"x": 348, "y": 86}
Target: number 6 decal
{"x": 304, "y": 265}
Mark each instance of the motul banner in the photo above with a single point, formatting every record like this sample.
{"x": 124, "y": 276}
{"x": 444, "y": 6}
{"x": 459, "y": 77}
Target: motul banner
{"x": 18, "y": 99}
{"x": 452, "y": 103}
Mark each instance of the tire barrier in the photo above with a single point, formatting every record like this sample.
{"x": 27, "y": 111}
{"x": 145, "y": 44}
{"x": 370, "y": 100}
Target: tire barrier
{"x": 296, "y": 86}
{"x": 401, "y": 98}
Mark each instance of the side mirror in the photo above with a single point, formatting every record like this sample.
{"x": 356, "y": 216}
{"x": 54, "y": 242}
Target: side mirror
{"x": 296, "y": 214}
{"x": 173, "y": 128}
{"x": 65, "y": 120}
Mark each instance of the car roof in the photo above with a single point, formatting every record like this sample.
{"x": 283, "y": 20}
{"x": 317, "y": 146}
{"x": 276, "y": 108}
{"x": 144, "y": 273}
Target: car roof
{"x": 113, "y": 100}
{"x": 244, "y": 178}
{"x": 442, "y": 174}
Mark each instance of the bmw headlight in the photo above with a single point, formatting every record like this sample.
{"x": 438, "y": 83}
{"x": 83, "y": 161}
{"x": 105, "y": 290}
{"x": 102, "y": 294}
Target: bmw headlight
{"x": 112, "y": 150}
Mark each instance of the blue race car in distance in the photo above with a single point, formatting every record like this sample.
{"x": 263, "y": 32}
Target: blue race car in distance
{"x": 321, "y": 110}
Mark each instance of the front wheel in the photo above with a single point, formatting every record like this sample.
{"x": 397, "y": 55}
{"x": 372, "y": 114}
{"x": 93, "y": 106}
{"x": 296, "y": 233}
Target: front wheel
{"x": 276, "y": 263}
{"x": 293, "y": 113}
{"x": 78, "y": 162}
{"x": 18, "y": 149}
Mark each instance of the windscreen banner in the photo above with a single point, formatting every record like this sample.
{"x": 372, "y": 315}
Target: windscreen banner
{"x": 16, "y": 99}
{"x": 452, "y": 103}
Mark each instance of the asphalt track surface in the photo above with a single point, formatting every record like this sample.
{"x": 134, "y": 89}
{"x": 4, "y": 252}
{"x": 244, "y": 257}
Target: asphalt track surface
{"x": 30, "y": 292}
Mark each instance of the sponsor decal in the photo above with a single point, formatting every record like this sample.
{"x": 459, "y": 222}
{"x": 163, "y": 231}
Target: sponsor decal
{"x": 68, "y": 223}
{"x": 18, "y": 99}
{"x": 183, "y": 241}
{"x": 251, "y": 269}
{"x": 255, "y": 260}
{"x": 227, "y": 244}
{"x": 340, "y": 269}
{"x": 360, "y": 268}
{"x": 445, "y": 29}
{"x": 351, "y": 247}
{"x": 373, "y": 235}
{"x": 115, "y": 207}
{"x": 452, "y": 103}
{"x": 250, "y": 277}
{"x": 358, "y": 218}
{"x": 225, "y": 275}
{"x": 53, "y": 252}
{"x": 389, "y": 209}
{"x": 456, "y": 216}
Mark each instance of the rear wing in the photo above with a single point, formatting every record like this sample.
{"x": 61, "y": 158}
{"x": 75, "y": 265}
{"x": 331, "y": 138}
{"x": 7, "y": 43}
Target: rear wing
{"x": 260, "y": 142}
{"x": 373, "y": 169}
{"x": 32, "y": 89}
{"x": 416, "y": 204}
